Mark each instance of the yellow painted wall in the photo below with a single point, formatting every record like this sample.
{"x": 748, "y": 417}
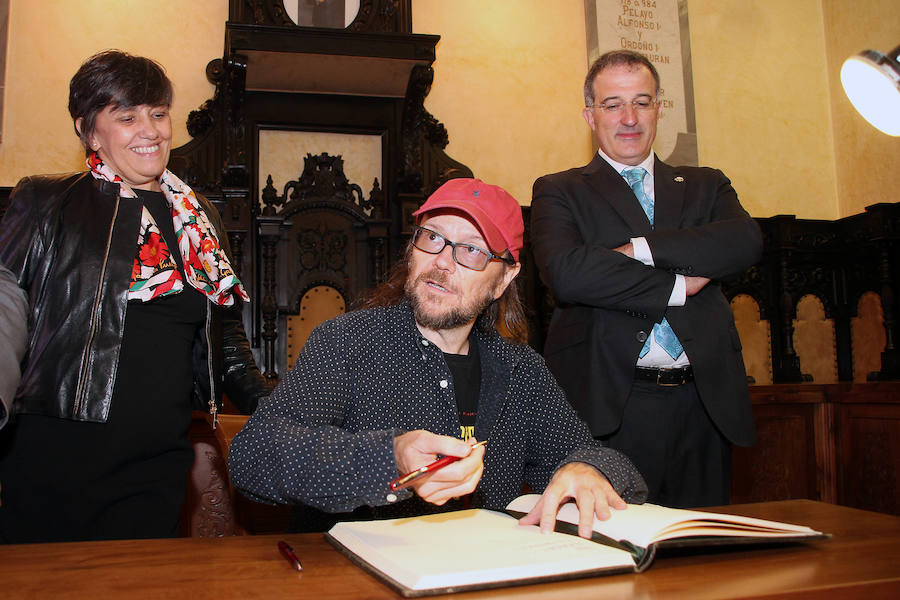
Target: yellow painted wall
{"x": 763, "y": 112}
{"x": 507, "y": 86}
{"x": 867, "y": 160}
{"x": 49, "y": 39}
{"x": 770, "y": 111}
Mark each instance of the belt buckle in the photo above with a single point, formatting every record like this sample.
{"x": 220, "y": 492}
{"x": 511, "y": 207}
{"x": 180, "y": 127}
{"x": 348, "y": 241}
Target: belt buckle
{"x": 659, "y": 373}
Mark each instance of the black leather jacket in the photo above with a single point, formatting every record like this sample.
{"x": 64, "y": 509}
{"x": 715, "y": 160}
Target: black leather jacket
{"x": 70, "y": 240}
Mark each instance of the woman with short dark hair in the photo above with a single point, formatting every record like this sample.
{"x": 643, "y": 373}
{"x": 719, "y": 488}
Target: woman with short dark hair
{"x": 134, "y": 321}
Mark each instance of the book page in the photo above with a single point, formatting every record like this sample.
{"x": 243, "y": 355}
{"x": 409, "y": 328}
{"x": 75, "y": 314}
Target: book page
{"x": 643, "y": 524}
{"x": 470, "y": 547}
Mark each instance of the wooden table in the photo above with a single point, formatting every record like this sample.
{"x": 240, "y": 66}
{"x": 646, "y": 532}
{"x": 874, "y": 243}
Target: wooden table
{"x": 862, "y": 559}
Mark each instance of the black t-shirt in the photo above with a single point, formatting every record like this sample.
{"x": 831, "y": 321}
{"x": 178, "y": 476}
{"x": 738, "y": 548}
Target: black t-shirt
{"x": 466, "y": 372}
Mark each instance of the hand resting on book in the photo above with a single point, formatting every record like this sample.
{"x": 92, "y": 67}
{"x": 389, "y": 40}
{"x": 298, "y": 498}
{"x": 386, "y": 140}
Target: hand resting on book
{"x": 591, "y": 491}
{"x": 415, "y": 449}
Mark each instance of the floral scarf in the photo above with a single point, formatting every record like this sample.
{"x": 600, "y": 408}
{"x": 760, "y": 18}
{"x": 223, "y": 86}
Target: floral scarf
{"x": 155, "y": 273}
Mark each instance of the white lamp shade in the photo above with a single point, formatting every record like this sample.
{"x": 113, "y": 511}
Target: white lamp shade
{"x": 871, "y": 83}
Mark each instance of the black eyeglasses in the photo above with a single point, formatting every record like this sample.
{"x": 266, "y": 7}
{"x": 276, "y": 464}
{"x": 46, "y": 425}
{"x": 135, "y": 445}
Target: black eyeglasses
{"x": 467, "y": 255}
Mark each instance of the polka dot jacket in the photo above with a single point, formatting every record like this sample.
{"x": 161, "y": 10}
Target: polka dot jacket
{"x": 325, "y": 436}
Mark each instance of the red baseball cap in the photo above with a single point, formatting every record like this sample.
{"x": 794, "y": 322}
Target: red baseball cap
{"x": 496, "y": 213}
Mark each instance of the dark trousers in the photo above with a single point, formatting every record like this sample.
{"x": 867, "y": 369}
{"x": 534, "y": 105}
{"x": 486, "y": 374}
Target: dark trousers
{"x": 670, "y": 438}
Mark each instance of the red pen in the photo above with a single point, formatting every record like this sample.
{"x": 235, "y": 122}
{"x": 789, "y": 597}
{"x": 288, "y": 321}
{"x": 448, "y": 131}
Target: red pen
{"x": 288, "y": 553}
{"x": 405, "y": 480}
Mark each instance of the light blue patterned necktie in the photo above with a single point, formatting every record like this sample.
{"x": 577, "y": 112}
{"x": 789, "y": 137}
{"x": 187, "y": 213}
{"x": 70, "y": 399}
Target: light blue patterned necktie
{"x": 662, "y": 332}
{"x": 635, "y": 178}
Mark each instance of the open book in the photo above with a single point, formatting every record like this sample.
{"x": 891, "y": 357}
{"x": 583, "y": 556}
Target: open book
{"x": 477, "y": 549}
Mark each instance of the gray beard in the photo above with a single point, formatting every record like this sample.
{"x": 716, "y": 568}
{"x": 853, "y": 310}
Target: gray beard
{"x": 452, "y": 319}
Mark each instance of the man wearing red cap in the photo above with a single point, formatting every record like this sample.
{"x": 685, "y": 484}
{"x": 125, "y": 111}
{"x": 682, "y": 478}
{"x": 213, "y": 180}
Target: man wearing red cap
{"x": 433, "y": 362}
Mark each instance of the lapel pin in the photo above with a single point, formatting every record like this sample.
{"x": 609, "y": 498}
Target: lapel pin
{"x": 679, "y": 179}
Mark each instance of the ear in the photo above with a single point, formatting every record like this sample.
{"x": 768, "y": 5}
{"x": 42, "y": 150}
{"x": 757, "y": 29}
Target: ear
{"x": 588, "y": 114}
{"x": 79, "y": 122}
{"x": 509, "y": 273}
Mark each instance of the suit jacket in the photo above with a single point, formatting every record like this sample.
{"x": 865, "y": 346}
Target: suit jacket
{"x": 607, "y": 302}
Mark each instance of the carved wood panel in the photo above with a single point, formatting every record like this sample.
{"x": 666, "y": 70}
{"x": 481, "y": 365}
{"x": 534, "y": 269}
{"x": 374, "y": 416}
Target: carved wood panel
{"x": 790, "y": 459}
{"x": 869, "y": 450}
{"x": 836, "y": 443}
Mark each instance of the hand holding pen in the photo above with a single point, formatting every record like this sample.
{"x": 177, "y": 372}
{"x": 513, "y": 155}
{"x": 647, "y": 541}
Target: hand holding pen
{"x": 408, "y": 479}
{"x": 456, "y": 472}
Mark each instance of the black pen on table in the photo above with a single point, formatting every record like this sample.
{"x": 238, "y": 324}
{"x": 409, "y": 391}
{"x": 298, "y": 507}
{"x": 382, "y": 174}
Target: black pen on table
{"x": 406, "y": 480}
{"x": 288, "y": 553}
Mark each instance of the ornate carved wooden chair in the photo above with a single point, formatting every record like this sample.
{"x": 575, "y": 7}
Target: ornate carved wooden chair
{"x": 323, "y": 242}
{"x": 209, "y": 507}
{"x": 212, "y": 507}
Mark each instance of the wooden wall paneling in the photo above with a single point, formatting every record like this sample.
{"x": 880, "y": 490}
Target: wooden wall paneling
{"x": 868, "y": 437}
{"x": 869, "y": 450}
{"x": 836, "y": 443}
{"x": 792, "y": 452}
{"x": 825, "y": 450}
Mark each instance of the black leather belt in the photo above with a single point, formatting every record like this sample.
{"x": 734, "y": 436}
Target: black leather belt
{"x": 670, "y": 377}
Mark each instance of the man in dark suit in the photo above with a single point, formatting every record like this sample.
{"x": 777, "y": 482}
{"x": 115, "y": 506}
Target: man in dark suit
{"x": 642, "y": 340}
